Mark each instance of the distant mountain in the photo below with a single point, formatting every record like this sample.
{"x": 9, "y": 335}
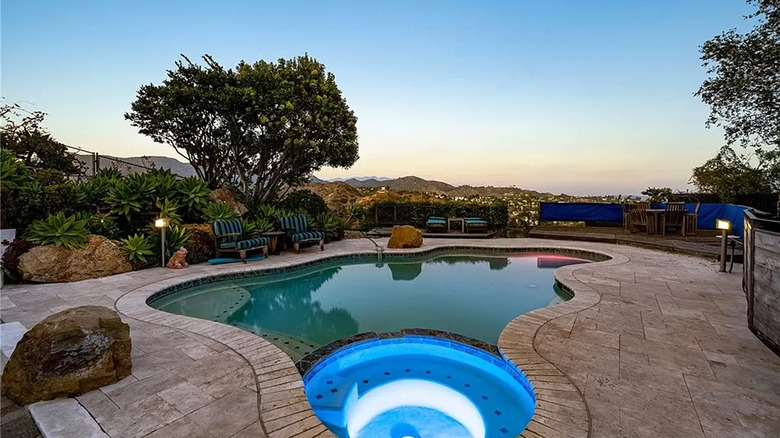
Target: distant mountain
{"x": 360, "y": 178}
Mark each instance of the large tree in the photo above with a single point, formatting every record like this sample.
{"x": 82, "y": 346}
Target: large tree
{"x": 743, "y": 92}
{"x": 261, "y": 127}
{"x": 730, "y": 174}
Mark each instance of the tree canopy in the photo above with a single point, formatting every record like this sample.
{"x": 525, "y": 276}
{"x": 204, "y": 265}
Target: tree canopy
{"x": 743, "y": 92}
{"x": 260, "y": 127}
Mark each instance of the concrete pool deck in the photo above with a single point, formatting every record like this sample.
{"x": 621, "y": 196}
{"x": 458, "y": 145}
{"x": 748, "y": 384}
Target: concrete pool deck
{"x": 653, "y": 344}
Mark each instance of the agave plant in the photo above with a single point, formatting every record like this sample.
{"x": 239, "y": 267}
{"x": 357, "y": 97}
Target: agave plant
{"x": 192, "y": 192}
{"x": 330, "y": 224}
{"x": 123, "y": 200}
{"x": 218, "y": 211}
{"x": 256, "y": 227}
{"x": 144, "y": 186}
{"x": 167, "y": 209}
{"x": 175, "y": 238}
{"x": 32, "y": 188}
{"x": 137, "y": 247}
{"x": 165, "y": 182}
{"x": 59, "y": 230}
{"x": 109, "y": 173}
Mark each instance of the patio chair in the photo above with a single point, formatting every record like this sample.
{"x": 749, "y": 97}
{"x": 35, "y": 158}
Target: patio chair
{"x": 436, "y": 224}
{"x": 638, "y": 215}
{"x": 626, "y": 215}
{"x": 673, "y": 217}
{"x": 297, "y": 229}
{"x": 475, "y": 224}
{"x": 229, "y": 238}
{"x": 691, "y": 221}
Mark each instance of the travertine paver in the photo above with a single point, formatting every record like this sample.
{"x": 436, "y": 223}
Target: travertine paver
{"x": 652, "y": 345}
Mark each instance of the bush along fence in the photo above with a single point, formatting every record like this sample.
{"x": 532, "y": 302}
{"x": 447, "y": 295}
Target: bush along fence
{"x": 383, "y": 214}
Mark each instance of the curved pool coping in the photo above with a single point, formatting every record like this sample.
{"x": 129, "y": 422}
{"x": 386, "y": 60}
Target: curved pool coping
{"x": 283, "y": 408}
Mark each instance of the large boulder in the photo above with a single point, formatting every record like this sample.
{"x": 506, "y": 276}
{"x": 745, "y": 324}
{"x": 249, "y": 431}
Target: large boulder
{"x": 67, "y": 354}
{"x": 405, "y": 236}
{"x": 51, "y": 264}
{"x": 226, "y": 195}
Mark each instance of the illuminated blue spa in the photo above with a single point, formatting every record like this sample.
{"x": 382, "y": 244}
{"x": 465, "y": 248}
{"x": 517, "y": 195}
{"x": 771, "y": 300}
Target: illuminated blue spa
{"x": 419, "y": 387}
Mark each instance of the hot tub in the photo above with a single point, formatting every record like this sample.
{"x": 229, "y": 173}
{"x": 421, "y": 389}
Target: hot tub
{"x": 419, "y": 387}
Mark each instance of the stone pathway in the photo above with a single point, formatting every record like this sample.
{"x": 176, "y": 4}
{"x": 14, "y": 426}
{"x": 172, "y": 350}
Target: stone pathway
{"x": 662, "y": 351}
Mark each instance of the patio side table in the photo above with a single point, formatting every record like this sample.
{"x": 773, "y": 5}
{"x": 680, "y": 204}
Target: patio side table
{"x": 274, "y": 246}
{"x": 460, "y": 220}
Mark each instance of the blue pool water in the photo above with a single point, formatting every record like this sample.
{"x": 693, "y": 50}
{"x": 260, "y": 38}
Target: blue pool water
{"x": 469, "y": 294}
{"x": 421, "y": 387}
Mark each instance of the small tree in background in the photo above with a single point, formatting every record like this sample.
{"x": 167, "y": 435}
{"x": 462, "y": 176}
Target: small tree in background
{"x": 260, "y": 128}
{"x": 658, "y": 194}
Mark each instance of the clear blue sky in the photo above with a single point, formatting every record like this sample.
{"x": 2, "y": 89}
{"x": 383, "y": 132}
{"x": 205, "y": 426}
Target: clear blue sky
{"x": 564, "y": 96}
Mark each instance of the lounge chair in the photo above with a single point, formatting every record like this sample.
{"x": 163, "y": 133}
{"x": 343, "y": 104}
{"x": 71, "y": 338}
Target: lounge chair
{"x": 297, "y": 229}
{"x": 691, "y": 221}
{"x": 673, "y": 217}
{"x": 474, "y": 224}
{"x": 436, "y": 224}
{"x": 229, "y": 238}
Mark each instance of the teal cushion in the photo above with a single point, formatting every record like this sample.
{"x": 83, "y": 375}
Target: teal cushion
{"x": 253, "y": 243}
{"x": 308, "y": 236}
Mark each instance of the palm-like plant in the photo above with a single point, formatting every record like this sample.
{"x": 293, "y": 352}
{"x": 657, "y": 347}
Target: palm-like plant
{"x": 60, "y": 231}
{"x": 165, "y": 182}
{"x": 144, "y": 186}
{"x": 330, "y": 224}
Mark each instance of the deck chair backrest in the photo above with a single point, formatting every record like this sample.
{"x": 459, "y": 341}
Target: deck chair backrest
{"x": 297, "y": 223}
{"x": 231, "y": 226}
{"x": 638, "y": 212}
{"x": 696, "y": 210}
{"x": 675, "y": 212}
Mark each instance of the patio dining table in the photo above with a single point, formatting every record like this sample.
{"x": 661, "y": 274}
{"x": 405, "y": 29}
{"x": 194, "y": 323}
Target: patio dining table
{"x": 656, "y": 218}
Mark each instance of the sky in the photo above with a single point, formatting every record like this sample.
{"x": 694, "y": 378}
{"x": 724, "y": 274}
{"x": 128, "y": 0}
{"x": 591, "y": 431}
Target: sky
{"x": 579, "y": 97}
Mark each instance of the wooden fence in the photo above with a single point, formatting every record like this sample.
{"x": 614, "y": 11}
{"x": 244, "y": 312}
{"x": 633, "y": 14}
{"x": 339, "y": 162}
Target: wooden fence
{"x": 761, "y": 281}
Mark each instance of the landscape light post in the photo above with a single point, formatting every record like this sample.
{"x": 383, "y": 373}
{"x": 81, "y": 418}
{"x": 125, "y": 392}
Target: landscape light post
{"x": 724, "y": 226}
{"x": 162, "y": 224}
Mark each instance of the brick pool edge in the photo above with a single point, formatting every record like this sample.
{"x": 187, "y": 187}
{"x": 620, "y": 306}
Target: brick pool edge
{"x": 282, "y": 405}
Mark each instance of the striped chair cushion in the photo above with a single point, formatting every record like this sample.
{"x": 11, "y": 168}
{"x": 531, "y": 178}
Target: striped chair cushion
{"x": 437, "y": 218}
{"x": 297, "y": 223}
{"x": 309, "y": 235}
{"x": 231, "y": 226}
{"x": 436, "y": 222}
{"x": 253, "y": 243}
{"x": 227, "y": 245}
{"x": 475, "y": 221}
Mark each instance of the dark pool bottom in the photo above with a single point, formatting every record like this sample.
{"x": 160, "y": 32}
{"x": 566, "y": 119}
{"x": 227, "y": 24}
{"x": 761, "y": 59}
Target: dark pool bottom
{"x": 419, "y": 386}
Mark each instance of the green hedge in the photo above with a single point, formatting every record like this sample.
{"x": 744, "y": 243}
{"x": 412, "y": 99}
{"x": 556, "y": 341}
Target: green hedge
{"x": 417, "y": 213}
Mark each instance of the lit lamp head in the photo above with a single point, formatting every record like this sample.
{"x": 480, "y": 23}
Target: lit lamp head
{"x": 723, "y": 224}
{"x": 161, "y": 222}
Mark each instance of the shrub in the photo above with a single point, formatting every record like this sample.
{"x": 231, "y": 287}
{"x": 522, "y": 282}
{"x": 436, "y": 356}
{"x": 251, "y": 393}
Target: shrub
{"x": 142, "y": 187}
{"x": 124, "y": 200}
{"x": 306, "y": 200}
{"x": 12, "y": 171}
{"x": 167, "y": 209}
{"x": 137, "y": 248}
{"x": 49, "y": 177}
{"x": 175, "y": 238}
{"x": 60, "y": 231}
{"x": 202, "y": 246}
{"x": 164, "y": 181}
{"x": 218, "y": 211}
{"x": 10, "y": 260}
{"x": 193, "y": 194}
{"x": 330, "y": 224}
{"x": 100, "y": 224}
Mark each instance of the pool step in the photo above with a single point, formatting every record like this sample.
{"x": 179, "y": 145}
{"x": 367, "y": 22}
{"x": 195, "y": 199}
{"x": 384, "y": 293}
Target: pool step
{"x": 338, "y": 394}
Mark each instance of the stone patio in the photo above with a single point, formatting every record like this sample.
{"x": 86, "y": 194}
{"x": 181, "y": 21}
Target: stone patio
{"x": 653, "y": 344}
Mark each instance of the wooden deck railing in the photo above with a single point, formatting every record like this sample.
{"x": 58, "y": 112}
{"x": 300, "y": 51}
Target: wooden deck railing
{"x": 761, "y": 281}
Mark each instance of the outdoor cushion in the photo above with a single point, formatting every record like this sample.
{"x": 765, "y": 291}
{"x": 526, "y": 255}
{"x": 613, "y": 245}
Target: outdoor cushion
{"x": 253, "y": 243}
{"x": 232, "y": 226}
{"x": 436, "y": 221}
{"x": 471, "y": 220}
{"x": 436, "y": 218}
{"x": 309, "y": 235}
{"x": 297, "y": 223}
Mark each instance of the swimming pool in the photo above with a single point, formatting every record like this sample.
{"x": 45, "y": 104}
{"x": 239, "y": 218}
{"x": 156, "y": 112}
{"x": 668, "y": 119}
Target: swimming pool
{"x": 419, "y": 386}
{"x": 469, "y": 293}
